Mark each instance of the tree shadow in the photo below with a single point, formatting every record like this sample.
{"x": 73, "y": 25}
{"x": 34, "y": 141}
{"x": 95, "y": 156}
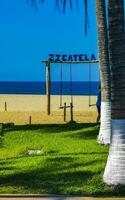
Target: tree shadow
{"x": 52, "y": 178}
{"x": 51, "y": 128}
{"x": 85, "y": 153}
{"x": 1, "y": 142}
{"x": 118, "y": 191}
{"x": 7, "y": 168}
{"x": 86, "y": 134}
{"x": 76, "y": 164}
{"x": 58, "y": 179}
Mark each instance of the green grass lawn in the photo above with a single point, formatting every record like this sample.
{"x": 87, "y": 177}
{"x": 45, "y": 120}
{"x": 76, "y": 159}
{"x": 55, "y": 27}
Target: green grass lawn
{"x": 71, "y": 161}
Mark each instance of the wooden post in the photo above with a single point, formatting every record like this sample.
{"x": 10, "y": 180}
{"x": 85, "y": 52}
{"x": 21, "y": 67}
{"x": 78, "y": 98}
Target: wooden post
{"x": 64, "y": 111}
{"x": 48, "y": 86}
{"x": 71, "y": 111}
{"x": 5, "y": 106}
{"x": 30, "y": 120}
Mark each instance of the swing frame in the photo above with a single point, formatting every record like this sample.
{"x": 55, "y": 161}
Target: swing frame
{"x": 48, "y": 77}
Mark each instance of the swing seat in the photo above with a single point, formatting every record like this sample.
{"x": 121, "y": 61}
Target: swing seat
{"x": 90, "y": 105}
{"x": 61, "y": 107}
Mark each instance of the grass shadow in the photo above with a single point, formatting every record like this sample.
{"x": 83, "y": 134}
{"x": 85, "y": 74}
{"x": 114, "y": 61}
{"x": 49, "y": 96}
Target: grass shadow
{"x": 55, "y": 178}
{"x": 1, "y": 142}
{"x": 50, "y": 128}
{"x": 90, "y": 133}
{"x": 52, "y": 178}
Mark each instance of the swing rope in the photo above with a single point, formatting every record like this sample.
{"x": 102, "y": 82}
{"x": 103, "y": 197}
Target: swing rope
{"x": 89, "y": 84}
{"x": 61, "y": 73}
{"x": 71, "y": 86}
{"x": 61, "y": 85}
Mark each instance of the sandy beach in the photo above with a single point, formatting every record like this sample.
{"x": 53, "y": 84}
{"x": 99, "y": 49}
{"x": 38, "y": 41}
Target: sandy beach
{"x": 25, "y": 109}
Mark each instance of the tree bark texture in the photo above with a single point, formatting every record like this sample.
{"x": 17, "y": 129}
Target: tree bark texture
{"x": 105, "y": 128}
{"x": 115, "y": 169}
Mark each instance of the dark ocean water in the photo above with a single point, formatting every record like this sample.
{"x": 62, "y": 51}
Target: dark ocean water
{"x": 65, "y": 88}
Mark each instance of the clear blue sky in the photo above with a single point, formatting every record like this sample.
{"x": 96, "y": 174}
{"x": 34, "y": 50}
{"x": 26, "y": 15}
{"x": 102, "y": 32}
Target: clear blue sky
{"x": 27, "y": 36}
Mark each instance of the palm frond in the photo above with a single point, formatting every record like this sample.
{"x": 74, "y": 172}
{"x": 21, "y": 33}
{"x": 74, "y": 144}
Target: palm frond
{"x": 34, "y": 3}
{"x": 61, "y": 5}
{"x": 86, "y": 16}
{"x": 71, "y": 5}
{"x": 41, "y": 1}
{"x": 64, "y": 5}
{"x": 57, "y": 3}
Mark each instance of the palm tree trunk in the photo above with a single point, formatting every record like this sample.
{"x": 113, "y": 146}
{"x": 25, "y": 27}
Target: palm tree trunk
{"x": 105, "y": 128}
{"x": 115, "y": 169}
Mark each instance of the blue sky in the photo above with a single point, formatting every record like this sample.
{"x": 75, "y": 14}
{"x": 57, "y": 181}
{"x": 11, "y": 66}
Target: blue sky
{"x": 27, "y": 36}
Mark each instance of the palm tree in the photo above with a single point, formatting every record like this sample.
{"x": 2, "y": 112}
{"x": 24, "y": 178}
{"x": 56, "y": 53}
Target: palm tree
{"x": 105, "y": 128}
{"x": 115, "y": 169}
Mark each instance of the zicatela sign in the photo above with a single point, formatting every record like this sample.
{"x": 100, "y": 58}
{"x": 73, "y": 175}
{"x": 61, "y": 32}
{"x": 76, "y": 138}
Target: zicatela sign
{"x": 71, "y": 57}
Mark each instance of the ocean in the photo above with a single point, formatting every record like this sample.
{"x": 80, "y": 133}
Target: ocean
{"x": 57, "y": 88}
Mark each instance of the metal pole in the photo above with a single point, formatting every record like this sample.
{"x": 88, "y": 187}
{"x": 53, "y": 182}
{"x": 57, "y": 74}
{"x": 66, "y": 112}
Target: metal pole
{"x": 48, "y": 86}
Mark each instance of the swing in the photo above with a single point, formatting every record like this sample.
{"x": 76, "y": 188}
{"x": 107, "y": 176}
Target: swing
{"x": 61, "y": 88}
{"x": 89, "y": 84}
